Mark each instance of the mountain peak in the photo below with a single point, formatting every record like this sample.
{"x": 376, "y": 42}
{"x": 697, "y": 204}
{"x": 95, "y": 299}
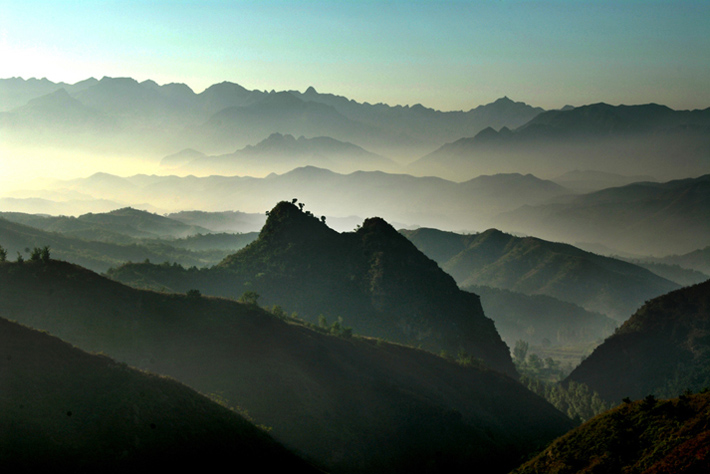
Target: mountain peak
{"x": 290, "y": 221}
{"x": 311, "y": 90}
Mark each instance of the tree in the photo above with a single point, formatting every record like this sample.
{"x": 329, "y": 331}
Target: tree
{"x": 44, "y": 254}
{"x": 520, "y": 351}
{"x": 249, "y": 297}
{"x": 36, "y": 254}
{"x": 3, "y": 254}
{"x": 194, "y": 294}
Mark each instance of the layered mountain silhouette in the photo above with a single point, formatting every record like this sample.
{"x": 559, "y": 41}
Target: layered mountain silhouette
{"x": 541, "y": 319}
{"x": 373, "y": 278}
{"x": 347, "y": 403}
{"x": 281, "y": 153}
{"x": 640, "y": 218}
{"x": 535, "y": 266}
{"x": 100, "y": 250}
{"x": 662, "y": 350}
{"x": 64, "y": 410}
{"x": 666, "y": 436}
{"x": 599, "y": 137}
{"x": 425, "y": 201}
{"x": 227, "y": 116}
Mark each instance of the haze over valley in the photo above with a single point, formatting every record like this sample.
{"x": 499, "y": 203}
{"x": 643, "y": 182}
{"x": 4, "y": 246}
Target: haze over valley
{"x": 355, "y": 237}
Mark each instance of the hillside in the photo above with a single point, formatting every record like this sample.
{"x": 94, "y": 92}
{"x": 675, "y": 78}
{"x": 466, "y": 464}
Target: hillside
{"x": 373, "y": 278}
{"x": 101, "y": 255}
{"x": 348, "y": 404}
{"x": 663, "y": 349}
{"x": 63, "y": 410}
{"x": 541, "y": 319}
{"x": 534, "y": 266}
{"x": 641, "y": 218}
{"x": 649, "y": 436}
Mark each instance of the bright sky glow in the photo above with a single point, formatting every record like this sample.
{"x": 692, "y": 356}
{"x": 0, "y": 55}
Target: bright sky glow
{"x": 449, "y": 55}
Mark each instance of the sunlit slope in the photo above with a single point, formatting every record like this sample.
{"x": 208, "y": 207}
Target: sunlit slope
{"x": 63, "y": 410}
{"x": 351, "y": 405}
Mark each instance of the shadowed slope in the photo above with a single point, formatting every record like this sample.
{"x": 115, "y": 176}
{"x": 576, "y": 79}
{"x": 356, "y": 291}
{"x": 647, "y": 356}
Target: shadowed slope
{"x": 663, "y": 349}
{"x": 351, "y": 405}
{"x": 63, "y": 410}
{"x": 373, "y": 278}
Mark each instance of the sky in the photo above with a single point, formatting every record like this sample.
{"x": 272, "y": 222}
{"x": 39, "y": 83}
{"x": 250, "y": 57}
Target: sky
{"x": 448, "y": 55}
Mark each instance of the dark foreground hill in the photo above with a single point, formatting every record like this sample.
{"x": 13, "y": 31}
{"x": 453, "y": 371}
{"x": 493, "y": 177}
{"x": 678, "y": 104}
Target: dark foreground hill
{"x": 374, "y": 278}
{"x": 647, "y": 436}
{"x": 535, "y": 266}
{"x": 348, "y": 404}
{"x": 63, "y": 410}
{"x": 663, "y": 349}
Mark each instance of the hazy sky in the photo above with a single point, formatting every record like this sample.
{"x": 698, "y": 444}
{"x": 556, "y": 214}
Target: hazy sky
{"x": 448, "y": 55}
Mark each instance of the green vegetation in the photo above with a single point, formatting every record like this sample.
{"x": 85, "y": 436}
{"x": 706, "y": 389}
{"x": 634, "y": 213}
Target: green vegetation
{"x": 348, "y": 403}
{"x": 649, "y": 435}
{"x": 663, "y": 349}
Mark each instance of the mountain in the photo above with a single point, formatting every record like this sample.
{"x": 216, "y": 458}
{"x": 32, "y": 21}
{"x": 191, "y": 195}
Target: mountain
{"x": 349, "y": 404}
{"x": 281, "y": 153}
{"x": 284, "y": 113}
{"x": 640, "y": 218}
{"x": 64, "y": 410}
{"x": 111, "y": 249}
{"x": 540, "y": 319}
{"x": 698, "y": 260}
{"x": 409, "y": 200}
{"x": 625, "y": 140}
{"x": 227, "y": 221}
{"x": 650, "y": 436}
{"x": 128, "y": 222}
{"x": 587, "y": 181}
{"x": 421, "y": 127}
{"x": 663, "y": 349}
{"x": 373, "y": 278}
{"x": 534, "y": 266}
{"x": 162, "y": 119}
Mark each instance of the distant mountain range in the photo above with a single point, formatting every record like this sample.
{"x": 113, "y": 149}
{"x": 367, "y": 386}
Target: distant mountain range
{"x": 345, "y": 403}
{"x": 403, "y": 199}
{"x": 101, "y": 241}
{"x": 641, "y": 218}
{"x": 534, "y": 266}
{"x": 227, "y": 116}
{"x": 279, "y": 154}
{"x": 628, "y": 140}
{"x": 662, "y": 350}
